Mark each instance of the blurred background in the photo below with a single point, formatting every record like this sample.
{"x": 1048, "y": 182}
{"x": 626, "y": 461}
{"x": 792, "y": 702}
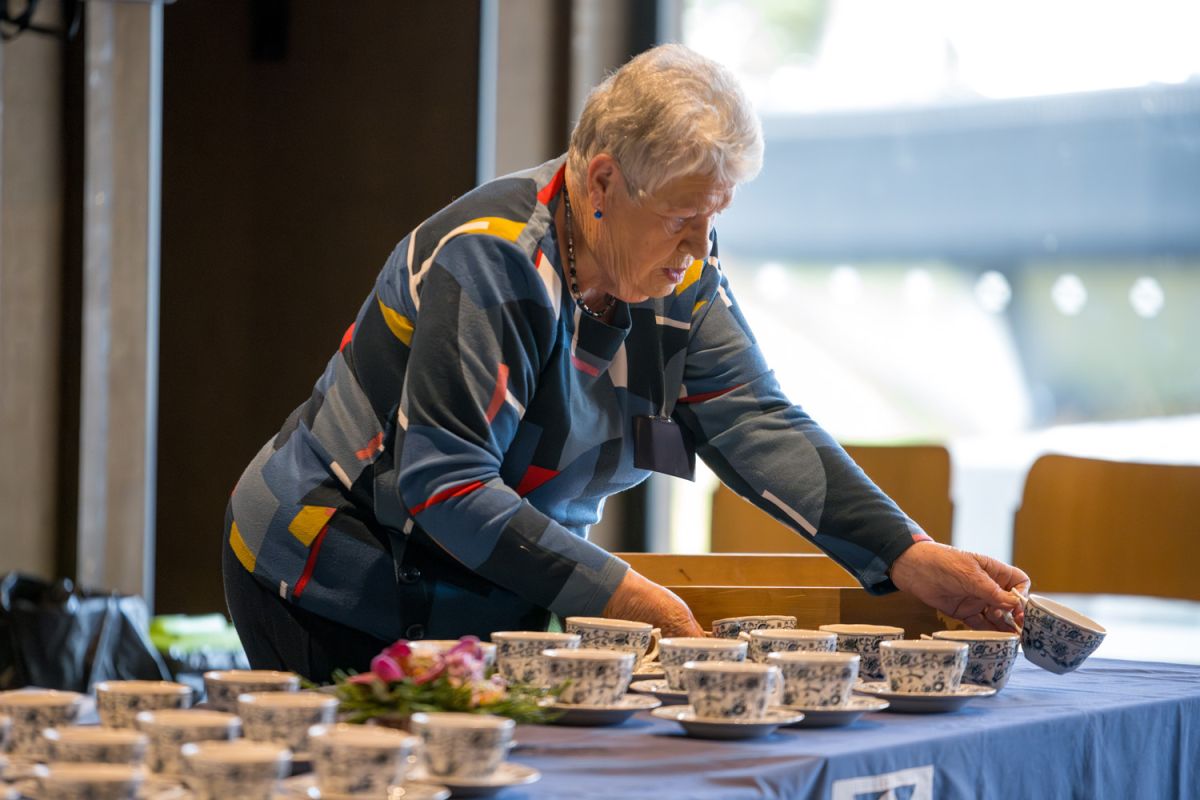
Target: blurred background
{"x": 977, "y": 226}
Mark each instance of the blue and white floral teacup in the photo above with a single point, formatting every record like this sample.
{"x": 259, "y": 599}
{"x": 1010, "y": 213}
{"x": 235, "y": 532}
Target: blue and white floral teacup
{"x": 34, "y": 710}
{"x": 77, "y": 781}
{"x": 927, "y": 666}
{"x": 225, "y": 770}
{"x": 359, "y": 759}
{"x": 814, "y": 679}
{"x": 594, "y": 677}
{"x": 864, "y": 640}
{"x": 990, "y": 655}
{"x": 675, "y": 651}
{"x": 285, "y": 717}
{"x": 519, "y": 657}
{"x": 88, "y": 743}
{"x": 730, "y": 627}
{"x": 225, "y": 685}
{"x": 171, "y": 728}
{"x": 118, "y": 702}
{"x": 459, "y": 745}
{"x": 639, "y": 638}
{"x": 732, "y": 690}
{"x": 765, "y": 641}
{"x": 1057, "y": 638}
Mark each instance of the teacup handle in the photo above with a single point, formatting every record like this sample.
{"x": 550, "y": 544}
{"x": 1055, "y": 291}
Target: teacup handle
{"x": 776, "y": 689}
{"x": 1021, "y": 592}
{"x": 745, "y": 637}
{"x": 652, "y": 653}
{"x": 927, "y": 637}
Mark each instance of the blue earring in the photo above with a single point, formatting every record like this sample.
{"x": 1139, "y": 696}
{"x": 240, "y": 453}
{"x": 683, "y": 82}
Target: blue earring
{"x": 598, "y": 213}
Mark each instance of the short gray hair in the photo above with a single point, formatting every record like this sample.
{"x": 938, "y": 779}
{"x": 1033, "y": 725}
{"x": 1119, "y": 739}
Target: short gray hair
{"x": 668, "y": 113}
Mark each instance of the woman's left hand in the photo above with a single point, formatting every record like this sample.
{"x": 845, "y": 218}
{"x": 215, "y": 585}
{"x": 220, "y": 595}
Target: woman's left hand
{"x": 976, "y": 589}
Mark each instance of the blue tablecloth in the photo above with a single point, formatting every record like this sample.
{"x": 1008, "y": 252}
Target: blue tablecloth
{"x": 1112, "y": 729}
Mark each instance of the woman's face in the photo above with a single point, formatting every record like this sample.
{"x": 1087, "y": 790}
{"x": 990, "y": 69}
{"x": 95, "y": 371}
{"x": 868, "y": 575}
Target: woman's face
{"x": 645, "y": 246}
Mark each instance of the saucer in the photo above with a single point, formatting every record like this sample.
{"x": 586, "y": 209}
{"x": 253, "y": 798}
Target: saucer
{"x": 154, "y": 788}
{"x": 510, "y": 773}
{"x": 710, "y": 728}
{"x": 925, "y": 702}
{"x": 304, "y": 787}
{"x": 615, "y": 714}
{"x": 836, "y": 716}
{"x": 658, "y": 688}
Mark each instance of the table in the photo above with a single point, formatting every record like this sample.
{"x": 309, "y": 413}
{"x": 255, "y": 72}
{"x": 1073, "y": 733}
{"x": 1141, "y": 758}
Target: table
{"x": 1112, "y": 729}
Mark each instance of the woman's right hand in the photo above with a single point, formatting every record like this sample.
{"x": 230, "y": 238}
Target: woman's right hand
{"x": 641, "y": 599}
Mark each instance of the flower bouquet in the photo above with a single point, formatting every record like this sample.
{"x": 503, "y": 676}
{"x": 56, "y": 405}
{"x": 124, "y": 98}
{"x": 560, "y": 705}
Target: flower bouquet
{"x": 405, "y": 679}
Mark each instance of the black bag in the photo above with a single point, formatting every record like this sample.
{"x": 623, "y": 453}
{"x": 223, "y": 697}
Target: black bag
{"x": 55, "y": 636}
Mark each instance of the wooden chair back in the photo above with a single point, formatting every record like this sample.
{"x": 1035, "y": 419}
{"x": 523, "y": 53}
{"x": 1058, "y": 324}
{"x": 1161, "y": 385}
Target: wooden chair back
{"x": 1107, "y": 527}
{"x": 917, "y": 477}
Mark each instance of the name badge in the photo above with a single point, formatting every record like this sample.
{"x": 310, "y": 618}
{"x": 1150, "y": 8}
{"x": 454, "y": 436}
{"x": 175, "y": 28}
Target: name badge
{"x": 659, "y": 445}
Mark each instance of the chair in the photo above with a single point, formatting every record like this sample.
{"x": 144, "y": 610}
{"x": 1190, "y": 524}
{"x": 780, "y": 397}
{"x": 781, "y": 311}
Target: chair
{"x": 917, "y": 477}
{"x": 1088, "y": 526}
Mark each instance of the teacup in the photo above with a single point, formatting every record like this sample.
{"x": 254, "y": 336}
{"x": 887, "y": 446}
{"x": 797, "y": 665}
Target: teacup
{"x": 732, "y": 689}
{"x": 88, "y": 743}
{"x": 458, "y": 745}
{"x": 864, "y": 640}
{"x": 171, "y": 728}
{"x": 443, "y": 645}
{"x": 358, "y": 759}
{"x": 990, "y": 655}
{"x": 118, "y": 702}
{"x": 639, "y": 638}
{"x": 923, "y": 665}
{"x": 224, "y": 686}
{"x": 34, "y": 710}
{"x": 597, "y": 677}
{"x": 224, "y": 770}
{"x": 765, "y": 641}
{"x": 1057, "y": 638}
{"x": 519, "y": 653}
{"x": 675, "y": 651}
{"x": 730, "y": 627}
{"x": 285, "y": 717}
{"x": 75, "y": 781}
{"x": 814, "y": 679}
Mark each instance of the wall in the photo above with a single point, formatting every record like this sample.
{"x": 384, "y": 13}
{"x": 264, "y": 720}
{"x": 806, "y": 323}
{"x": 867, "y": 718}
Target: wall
{"x": 31, "y": 224}
{"x": 287, "y": 179}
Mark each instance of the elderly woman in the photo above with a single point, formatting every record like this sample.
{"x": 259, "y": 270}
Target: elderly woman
{"x": 536, "y": 346}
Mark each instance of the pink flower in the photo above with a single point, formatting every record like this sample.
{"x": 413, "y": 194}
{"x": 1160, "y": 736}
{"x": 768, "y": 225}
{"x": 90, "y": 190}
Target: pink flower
{"x": 365, "y": 677}
{"x": 433, "y": 672}
{"x": 463, "y": 664}
{"x": 386, "y": 668}
{"x": 468, "y": 645}
{"x": 399, "y": 651}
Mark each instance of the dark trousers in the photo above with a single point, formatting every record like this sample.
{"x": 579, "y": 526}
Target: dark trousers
{"x": 278, "y": 635}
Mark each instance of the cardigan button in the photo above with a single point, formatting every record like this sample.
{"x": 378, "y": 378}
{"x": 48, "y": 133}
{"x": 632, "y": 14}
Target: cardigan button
{"x": 409, "y": 574}
{"x": 415, "y": 632}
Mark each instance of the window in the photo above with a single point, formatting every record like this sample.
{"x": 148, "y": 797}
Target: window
{"x": 978, "y": 223}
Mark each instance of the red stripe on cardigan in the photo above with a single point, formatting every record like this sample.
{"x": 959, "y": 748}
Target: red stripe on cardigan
{"x": 700, "y": 398}
{"x": 499, "y": 393}
{"x": 454, "y": 491}
{"x": 313, "y": 552}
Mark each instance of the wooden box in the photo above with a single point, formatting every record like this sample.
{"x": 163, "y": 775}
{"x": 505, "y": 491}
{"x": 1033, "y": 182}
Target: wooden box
{"x": 810, "y": 587}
